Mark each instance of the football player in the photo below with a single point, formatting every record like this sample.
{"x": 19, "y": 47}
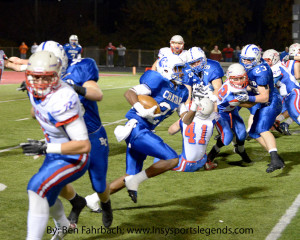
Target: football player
{"x": 195, "y": 137}
{"x": 165, "y": 86}
{"x": 202, "y": 72}
{"x": 83, "y": 75}
{"x": 73, "y": 48}
{"x": 57, "y": 108}
{"x": 230, "y": 121}
{"x": 261, "y": 81}
{"x": 176, "y": 48}
{"x": 293, "y": 65}
{"x": 287, "y": 84}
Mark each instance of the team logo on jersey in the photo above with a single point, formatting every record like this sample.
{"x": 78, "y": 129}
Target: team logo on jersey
{"x": 163, "y": 62}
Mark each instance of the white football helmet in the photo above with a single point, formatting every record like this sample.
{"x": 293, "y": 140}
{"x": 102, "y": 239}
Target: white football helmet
{"x": 170, "y": 67}
{"x": 271, "y": 56}
{"x": 294, "y": 49}
{"x": 42, "y": 74}
{"x": 237, "y": 76}
{"x": 250, "y": 53}
{"x": 205, "y": 108}
{"x": 177, "y": 44}
{"x": 58, "y": 51}
{"x": 196, "y": 58}
{"x": 73, "y": 40}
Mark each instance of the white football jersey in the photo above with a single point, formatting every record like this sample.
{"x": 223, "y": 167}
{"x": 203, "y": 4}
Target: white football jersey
{"x": 167, "y": 51}
{"x": 196, "y": 136}
{"x": 57, "y": 109}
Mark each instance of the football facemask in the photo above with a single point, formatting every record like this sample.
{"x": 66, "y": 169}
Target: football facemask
{"x": 196, "y": 58}
{"x": 237, "y": 76}
{"x": 250, "y": 56}
{"x": 271, "y": 56}
{"x": 42, "y": 74}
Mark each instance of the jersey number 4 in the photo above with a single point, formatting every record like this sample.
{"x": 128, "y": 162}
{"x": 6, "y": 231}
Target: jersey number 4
{"x": 190, "y": 133}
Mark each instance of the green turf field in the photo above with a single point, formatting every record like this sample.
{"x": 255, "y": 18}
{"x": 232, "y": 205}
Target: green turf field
{"x": 174, "y": 205}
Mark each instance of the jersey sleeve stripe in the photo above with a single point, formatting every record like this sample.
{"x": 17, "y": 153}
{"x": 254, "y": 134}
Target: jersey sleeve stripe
{"x": 58, "y": 124}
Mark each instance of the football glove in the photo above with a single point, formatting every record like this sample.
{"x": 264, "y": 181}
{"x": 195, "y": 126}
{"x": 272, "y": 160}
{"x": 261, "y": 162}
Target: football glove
{"x": 145, "y": 113}
{"x": 34, "y": 147}
{"x": 22, "y": 87}
{"x": 242, "y": 97}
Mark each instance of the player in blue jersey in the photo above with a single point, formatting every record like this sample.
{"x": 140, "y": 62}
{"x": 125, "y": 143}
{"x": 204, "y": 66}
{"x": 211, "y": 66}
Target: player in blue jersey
{"x": 261, "y": 81}
{"x": 73, "y": 48}
{"x": 199, "y": 72}
{"x": 231, "y": 126}
{"x": 82, "y": 75}
{"x": 286, "y": 83}
{"x": 165, "y": 86}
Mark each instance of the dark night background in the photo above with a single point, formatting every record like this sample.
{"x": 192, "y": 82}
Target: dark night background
{"x": 148, "y": 24}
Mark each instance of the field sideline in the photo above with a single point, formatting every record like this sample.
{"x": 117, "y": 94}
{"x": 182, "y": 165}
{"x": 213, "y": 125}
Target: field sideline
{"x": 231, "y": 202}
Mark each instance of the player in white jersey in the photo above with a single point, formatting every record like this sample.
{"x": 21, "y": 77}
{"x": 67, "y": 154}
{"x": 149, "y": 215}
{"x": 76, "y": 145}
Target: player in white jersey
{"x": 176, "y": 48}
{"x": 195, "y": 137}
{"x": 293, "y": 65}
{"x": 57, "y": 108}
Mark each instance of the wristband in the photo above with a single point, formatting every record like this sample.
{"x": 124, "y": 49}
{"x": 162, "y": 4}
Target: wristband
{"x": 80, "y": 90}
{"x": 252, "y": 99}
{"x": 53, "y": 148}
{"x": 291, "y": 57}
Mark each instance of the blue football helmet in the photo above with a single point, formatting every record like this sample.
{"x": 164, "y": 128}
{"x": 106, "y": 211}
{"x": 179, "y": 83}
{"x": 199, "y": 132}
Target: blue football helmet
{"x": 170, "y": 67}
{"x": 250, "y": 53}
{"x": 196, "y": 58}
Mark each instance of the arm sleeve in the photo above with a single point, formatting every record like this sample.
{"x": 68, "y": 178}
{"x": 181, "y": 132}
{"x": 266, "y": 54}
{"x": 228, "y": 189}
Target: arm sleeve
{"x": 77, "y": 130}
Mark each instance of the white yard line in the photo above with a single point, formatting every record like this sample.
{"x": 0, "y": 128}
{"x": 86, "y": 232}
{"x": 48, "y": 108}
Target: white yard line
{"x": 22, "y": 119}
{"x": 285, "y": 220}
{"x": 22, "y": 99}
{"x": 111, "y": 123}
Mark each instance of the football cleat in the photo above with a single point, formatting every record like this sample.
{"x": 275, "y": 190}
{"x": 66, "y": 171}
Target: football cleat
{"x": 133, "y": 195}
{"x": 244, "y": 155}
{"x": 78, "y": 206}
{"x": 276, "y": 163}
{"x": 284, "y": 127}
{"x": 59, "y": 233}
{"x": 107, "y": 215}
{"x": 92, "y": 203}
{"x": 210, "y": 166}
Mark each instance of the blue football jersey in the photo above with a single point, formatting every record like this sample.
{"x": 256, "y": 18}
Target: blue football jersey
{"x": 72, "y": 52}
{"x": 212, "y": 71}
{"x": 79, "y": 72}
{"x": 261, "y": 75}
{"x": 166, "y": 94}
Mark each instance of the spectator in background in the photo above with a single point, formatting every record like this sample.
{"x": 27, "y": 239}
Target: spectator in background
{"x": 205, "y": 51}
{"x": 216, "y": 54}
{"x": 34, "y": 47}
{"x": 121, "y": 55}
{"x": 284, "y": 53}
{"x": 228, "y": 53}
{"x": 237, "y": 53}
{"x": 110, "y": 54}
{"x": 23, "y": 50}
